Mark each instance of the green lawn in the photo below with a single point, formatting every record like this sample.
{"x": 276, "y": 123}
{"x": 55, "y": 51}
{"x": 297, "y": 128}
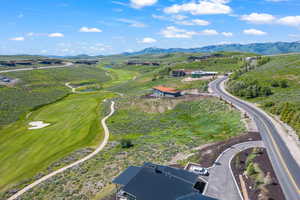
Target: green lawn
{"x": 75, "y": 123}
{"x": 40, "y": 87}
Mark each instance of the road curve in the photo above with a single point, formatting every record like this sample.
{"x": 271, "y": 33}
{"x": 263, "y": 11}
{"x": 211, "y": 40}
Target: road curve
{"x": 68, "y": 64}
{"x": 285, "y": 166}
{"x": 99, "y": 148}
{"x": 221, "y": 182}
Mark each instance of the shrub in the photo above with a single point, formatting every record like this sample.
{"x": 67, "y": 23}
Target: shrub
{"x": 269, "y": 104}
{"x": 283, "y": 84}
{"x": 250, "y": 169}
{"x": 275, "y": 83}
{"x": 126, "y": 143}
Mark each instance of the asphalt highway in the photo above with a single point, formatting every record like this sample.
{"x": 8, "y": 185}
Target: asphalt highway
{"x": 286, "y": 168}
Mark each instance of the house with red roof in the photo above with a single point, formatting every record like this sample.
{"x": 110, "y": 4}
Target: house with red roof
{"x": 162, "y": 91}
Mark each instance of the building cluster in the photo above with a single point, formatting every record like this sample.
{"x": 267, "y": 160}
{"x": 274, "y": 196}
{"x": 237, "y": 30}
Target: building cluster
{"x": 13, "y": 63}
{"x": 204, "y": 57}
{"x": 137, "y": 63}
{"x": 86, "y": 62}
{"x": 192, "y": 73}
{"x": 157, "y": 182}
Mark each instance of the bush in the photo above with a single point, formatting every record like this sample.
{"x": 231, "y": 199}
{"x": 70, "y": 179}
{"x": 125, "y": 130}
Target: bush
{"x": 283, "y": 84}
{"x": 126, "y": 143}
{"x": 269, "y": 104}
{"x": 250, "y": 169}
{"x": 275, "y": 83}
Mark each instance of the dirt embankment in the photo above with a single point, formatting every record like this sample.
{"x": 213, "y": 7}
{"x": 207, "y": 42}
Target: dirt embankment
{"x": 207, "y": 156}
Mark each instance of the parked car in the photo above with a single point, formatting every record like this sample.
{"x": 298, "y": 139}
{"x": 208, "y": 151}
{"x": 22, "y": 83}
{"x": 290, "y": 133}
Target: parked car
{"x": 199, "y": 170}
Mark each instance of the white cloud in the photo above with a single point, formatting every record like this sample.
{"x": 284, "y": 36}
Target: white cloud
{"x": 179, "y": 17}
{"x": 142, "y": 3}
{"x": 290, "y": 21}
{"x": 259, "y": 18}
{"x": 194, "y": 22}
{"x": 17, "y": 39}
{"x": 56, "y": 35}
{"x": 227, "y": 34}
{"x": 202, "y": 7}
{"x": 90, "y": 30}
{"x": 209, "y": 32}
{"x": 132, "y": 23}
{"x": 254, "y": 32}
{"x": 173, "y": 32}
{"x": 148, "y": 40}
{"x": 160, "y": 17}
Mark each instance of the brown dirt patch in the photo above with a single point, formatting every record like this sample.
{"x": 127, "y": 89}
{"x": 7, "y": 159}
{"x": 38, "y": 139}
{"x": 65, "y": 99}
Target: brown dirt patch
{"x": 270, "y": 189}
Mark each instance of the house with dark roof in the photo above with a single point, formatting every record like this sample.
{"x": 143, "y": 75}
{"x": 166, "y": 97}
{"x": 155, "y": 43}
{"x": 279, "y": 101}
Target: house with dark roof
{"x": 162, "y": 91}
{"x": 157, "y": 182}
{"x": 178, "y": 73}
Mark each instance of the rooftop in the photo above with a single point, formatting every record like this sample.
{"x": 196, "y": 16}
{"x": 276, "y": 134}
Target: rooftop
{"x": 159, "y": 182}
{"x": 165, "y": 89}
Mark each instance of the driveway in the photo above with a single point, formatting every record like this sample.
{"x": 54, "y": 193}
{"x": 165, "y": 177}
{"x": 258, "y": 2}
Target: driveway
{"x": 221, "y": 183}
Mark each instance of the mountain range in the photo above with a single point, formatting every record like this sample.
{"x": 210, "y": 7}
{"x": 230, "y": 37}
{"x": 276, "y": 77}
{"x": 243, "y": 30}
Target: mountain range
{"x": 259, "y": 48}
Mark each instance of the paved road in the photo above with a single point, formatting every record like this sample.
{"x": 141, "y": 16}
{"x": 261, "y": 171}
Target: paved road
{"x": 99, "y": 148}
{"x": 221, "y": 183}
{"x": 286, "y": 168}
{"x": 36, "y": 68}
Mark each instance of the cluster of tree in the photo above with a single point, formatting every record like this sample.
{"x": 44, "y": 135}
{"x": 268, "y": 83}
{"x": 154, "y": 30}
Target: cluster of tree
{"x": 249, "y": 67}
{"x": 262, "y": 60}
{"x": 281, "y": 83}
{"x": 288, "y": 112}
{"x": 249, "y": 89}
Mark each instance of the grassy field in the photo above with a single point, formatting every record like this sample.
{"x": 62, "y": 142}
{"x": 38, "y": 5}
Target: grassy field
{"x": 75, "y": 121}
{"x": 156, "y": 137}
{"x": 282, "y": 76}
{"x": 221, "y": 65}
{"x": 39, "y": 87}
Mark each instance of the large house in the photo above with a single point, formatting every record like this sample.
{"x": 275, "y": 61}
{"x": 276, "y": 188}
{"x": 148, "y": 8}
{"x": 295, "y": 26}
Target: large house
{"x": 162, "y": 91}
{"x": 157, "y": 182}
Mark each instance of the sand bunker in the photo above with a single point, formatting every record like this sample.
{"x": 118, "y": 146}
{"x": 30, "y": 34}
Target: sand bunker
{"x": 37, "y": 125}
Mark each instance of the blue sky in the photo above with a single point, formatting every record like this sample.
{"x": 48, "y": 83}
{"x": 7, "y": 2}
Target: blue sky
{"x": 95, "y": 27}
